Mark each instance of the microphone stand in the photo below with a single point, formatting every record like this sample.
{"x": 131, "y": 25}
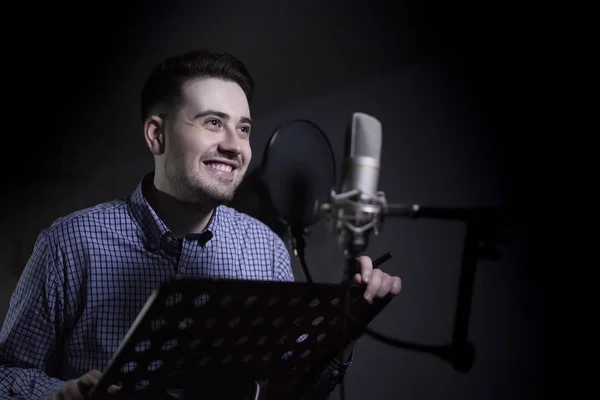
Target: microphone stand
{"x": 483, "y": 232}
{"x": 351, "y": 253}
{"x": 486, "y": 215}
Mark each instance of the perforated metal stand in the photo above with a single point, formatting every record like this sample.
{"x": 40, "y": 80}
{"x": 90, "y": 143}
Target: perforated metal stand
{"x": 216, "y": 338}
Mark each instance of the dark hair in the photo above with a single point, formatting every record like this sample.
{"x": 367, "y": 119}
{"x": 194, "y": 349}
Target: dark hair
{"x": 163, "y": 86}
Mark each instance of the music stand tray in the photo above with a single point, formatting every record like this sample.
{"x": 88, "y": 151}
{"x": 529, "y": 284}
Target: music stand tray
{"x": 196, "y": 332}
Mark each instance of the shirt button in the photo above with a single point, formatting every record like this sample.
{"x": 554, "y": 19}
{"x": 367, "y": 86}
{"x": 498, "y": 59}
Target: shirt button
{"x": 169, "y": 239}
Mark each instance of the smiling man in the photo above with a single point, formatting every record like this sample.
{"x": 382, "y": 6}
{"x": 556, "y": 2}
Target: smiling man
{"x": 201, "y": 148}
{"x": 92, "y": 271}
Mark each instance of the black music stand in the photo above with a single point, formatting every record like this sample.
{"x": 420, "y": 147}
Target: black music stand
{"x": 194, "y": 333}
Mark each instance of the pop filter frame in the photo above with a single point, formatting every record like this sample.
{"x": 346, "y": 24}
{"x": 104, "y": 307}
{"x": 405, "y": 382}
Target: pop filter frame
{"x": 298, "y": 168}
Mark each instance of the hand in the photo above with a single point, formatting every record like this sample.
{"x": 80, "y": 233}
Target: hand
{"x": 77, "y": 389}
{"x": 379, "y": 284}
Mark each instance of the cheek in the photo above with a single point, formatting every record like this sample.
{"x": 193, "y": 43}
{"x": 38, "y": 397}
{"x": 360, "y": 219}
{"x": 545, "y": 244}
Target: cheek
{"x": 188, "y": 146}
{"x": 247, "y": 152}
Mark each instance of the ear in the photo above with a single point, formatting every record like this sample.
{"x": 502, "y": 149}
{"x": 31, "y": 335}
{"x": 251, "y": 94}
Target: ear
{"x": 154, "y": 134}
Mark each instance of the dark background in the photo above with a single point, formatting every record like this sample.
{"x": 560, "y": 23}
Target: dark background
{"x": 450, "y": 81}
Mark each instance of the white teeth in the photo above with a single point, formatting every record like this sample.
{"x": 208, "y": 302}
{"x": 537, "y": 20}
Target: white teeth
{"x": 220, "y": 167}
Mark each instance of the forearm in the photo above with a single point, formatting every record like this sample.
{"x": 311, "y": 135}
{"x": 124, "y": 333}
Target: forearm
{"x": 25, "y": 383}
{"x": 29, "y": 332}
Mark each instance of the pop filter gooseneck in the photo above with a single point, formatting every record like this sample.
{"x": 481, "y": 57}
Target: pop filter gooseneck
{"x": 298, "y": 168}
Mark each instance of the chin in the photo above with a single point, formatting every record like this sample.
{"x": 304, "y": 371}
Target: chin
{"x": 218, "y": 195}
{"x": 223, "y": 197}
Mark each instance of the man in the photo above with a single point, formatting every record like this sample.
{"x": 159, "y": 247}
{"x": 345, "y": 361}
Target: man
{"x": 91, "y": 272}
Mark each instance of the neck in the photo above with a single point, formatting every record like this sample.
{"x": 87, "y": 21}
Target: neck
{"x": 182, "y": 218}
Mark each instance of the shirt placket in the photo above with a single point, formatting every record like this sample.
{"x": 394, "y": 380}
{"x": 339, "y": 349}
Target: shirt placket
{"x": 172, "y": 250}
{"x": 189, "y": 250}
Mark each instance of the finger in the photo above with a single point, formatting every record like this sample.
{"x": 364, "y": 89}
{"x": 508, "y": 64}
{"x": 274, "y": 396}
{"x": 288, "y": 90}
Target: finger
{"x": 373, "y": 285}
{"x": 386, "y": 286}
{"x": 94, "y": 373}
{"x": 58, "y": 395}
{"x": 114, "y": 388}
{"x": 71, "y": 391}
{"x": 358, "y": 278}
{"x": 396, "y": 285}
{"x": 87, "y": 381}
{"x": 365, "y": 267}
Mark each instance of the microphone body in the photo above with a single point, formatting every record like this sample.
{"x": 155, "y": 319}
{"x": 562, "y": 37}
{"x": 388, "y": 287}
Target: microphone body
{"x": 362, "y": 154}
{"x": 356, "y": 211}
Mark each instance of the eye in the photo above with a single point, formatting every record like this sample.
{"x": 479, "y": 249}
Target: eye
{"x": 213, "y": 122}
{"x": 245, "y": 129}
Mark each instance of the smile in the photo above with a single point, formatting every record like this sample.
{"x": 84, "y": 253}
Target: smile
{"x": 219, "y": 166}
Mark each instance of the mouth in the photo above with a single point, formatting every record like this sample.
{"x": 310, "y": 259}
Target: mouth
{"x": 222, "y": 167}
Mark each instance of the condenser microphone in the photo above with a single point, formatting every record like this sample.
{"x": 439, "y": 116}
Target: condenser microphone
{"x": 362, "y": 152}
{"x": 356, "y": 211}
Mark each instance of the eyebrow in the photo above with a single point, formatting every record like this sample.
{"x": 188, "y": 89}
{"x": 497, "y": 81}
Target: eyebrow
{"x": 220, "y": 114}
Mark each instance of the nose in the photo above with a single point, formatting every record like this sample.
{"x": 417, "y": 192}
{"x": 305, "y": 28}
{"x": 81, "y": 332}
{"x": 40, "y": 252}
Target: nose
{"x": 230, "y": 143}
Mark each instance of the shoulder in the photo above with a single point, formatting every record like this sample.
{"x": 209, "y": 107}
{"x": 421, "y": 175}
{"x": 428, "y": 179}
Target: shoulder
{"x": 260, "y": 238}
{"x": 249, "y": 230}
{"x": 67, "y": 237}
{"x": 91, "y": 220}
{"x": 242, "y": 224}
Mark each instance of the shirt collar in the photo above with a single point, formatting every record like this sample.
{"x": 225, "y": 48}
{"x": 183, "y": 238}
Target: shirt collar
{"x": 152, "y": 228}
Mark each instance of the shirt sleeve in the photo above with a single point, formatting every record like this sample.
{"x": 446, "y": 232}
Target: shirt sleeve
{"x": 30, "y": 330}
{"x": 282, "y": 270}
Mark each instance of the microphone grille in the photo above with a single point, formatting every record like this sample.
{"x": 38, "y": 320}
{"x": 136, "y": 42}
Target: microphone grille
{"x": 366, "y": 136}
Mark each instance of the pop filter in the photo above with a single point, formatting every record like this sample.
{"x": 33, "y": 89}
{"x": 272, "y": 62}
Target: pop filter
{"x": 298, "y": 168}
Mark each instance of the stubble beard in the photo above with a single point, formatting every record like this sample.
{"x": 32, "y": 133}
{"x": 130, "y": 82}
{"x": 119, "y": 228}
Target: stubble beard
{"x": 196, "y": 189}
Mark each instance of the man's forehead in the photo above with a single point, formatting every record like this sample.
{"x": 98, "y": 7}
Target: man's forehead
{"x": 204, "y": 94}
